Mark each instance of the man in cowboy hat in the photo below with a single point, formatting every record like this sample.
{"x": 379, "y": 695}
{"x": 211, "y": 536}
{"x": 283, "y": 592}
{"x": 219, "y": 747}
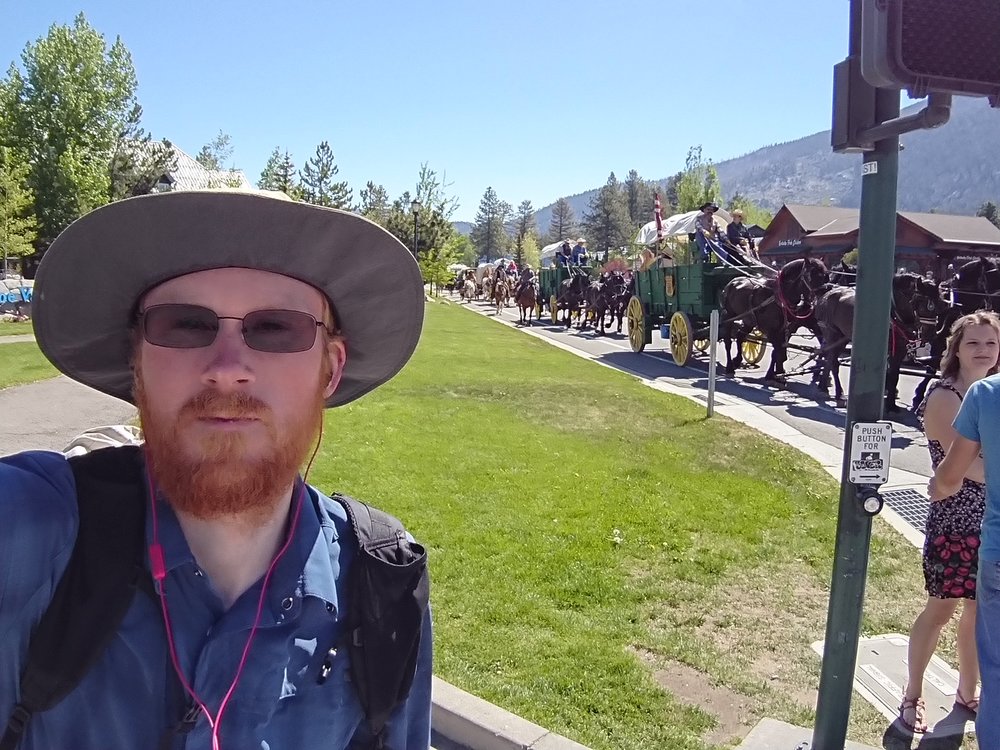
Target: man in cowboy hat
{"x": 231, "y": 320}
{"x": 579, "y": 254}
{"x": 705, "y": 228}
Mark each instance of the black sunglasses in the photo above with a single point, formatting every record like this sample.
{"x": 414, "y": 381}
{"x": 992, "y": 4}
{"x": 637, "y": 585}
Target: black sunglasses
{"x": 193, "y": 326}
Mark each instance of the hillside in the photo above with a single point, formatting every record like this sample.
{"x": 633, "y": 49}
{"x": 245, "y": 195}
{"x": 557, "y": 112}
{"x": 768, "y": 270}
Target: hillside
{"x": 953, "y": 169}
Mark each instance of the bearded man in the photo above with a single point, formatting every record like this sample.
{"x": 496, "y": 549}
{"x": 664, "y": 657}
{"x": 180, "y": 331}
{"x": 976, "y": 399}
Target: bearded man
{"x": 231, "y": 320}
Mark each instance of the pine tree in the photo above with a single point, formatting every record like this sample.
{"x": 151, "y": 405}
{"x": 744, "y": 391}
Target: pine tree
{"x": 607, "y": 220}
{"x": 989, "y": 211}
{"x": 639, "y": 199}
{"x": 318, "y": 185}
{"x": 374, "y": 202}
{"x": 563, "y": 222}
{"x": 138, "y": 162}
{"x": 269, "y": 176}
{"x": 285, "y": 177}
{"x": 488, "y": 233}
{"x": 524, "y": 227}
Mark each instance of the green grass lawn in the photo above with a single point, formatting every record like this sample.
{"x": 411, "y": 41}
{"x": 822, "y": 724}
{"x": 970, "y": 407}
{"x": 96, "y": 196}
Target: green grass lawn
{"x": 23, "y": 363}
{"x": 12, "y": 329}
{"x": 605, "y": 561}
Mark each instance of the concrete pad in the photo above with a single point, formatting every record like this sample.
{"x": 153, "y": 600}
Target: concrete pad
{"x": 770, "y": 734}
{"x": 470, "y": 721}
{"x": 882, "y": 673}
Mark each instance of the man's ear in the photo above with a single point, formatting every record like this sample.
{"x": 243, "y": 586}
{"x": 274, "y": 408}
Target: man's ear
{"x": 336, "y": 351}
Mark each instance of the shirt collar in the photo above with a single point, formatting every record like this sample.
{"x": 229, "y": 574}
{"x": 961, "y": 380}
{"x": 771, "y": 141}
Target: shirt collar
{"x": 309, "y": 567}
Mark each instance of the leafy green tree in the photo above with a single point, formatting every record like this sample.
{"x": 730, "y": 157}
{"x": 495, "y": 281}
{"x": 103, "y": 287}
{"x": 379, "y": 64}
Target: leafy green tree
{"x": 18, "y": 226}
{"x": 488, "y": 230}
{"x": 563, "y": 222}
{"x": 607, "y": 220}
{"x": 698, "y": 183}
{"x": 374, "y": 202}
{"x": 530, "y": 251}
{"x": 752, "y": 213}
{"x": 524, "y": 228}
{"x": 989, "y": 211}
{"x": 216, "y": 153}
{"x": 318, "y": 185}
{"x": 434, "y": 261}
{"x": 65, "y": 114}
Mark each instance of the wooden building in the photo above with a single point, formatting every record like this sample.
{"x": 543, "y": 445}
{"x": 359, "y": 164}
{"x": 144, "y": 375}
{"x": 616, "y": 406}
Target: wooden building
{"x": 925, "y": 243}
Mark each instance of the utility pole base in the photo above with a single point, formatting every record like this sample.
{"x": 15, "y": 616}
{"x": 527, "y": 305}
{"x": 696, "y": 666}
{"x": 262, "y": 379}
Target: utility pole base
{"x": 771, "y": 734}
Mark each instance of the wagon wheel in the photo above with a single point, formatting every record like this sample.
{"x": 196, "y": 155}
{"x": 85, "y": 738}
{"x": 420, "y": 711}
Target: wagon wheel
{"x": 681, "y": 337}
{"x": 701, "y": 345}
{"x": 752, "y": 348}
{"x": 636, "y": 324}
{"x": 554, "y": 308}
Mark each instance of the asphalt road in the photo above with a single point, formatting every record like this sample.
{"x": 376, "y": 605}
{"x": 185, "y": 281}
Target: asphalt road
{"x": 798, "y": 404}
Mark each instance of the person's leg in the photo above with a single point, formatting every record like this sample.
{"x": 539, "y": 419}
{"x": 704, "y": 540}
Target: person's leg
{"x": 968, "y": 659}
{"x": 924, "y": 637}
{"x": 988, "y": 648}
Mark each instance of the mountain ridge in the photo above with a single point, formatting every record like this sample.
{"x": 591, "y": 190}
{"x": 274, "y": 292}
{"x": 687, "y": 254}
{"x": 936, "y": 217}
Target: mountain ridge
{"x": 951, "y": 169}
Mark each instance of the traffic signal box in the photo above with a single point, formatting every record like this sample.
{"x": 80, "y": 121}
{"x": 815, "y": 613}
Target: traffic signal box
{"x": 924, "y": 46}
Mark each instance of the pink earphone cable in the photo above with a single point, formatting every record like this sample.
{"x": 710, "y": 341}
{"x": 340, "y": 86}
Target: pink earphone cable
{"x": 159, "y": 572}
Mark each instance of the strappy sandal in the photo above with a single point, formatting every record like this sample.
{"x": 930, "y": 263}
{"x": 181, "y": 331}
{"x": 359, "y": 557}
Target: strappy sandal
{"x": 972, "y": 705}
{"x": 919, "y": 724}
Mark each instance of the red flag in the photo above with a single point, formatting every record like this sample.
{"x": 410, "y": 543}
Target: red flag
{"x": 659, "y": 217}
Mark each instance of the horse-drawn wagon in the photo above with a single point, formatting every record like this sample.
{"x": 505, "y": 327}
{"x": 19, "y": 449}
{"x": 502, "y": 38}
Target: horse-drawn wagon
{"x": 680, "y": 296}
{"x": 562, "y": 288}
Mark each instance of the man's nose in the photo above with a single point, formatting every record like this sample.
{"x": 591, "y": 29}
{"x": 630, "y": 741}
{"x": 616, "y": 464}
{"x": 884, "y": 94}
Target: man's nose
{"x": 228, "y": 366}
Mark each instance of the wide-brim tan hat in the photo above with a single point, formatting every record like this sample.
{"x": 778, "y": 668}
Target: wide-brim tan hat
{"x": 581, "y": 241}
{"x": 91, "y": 278}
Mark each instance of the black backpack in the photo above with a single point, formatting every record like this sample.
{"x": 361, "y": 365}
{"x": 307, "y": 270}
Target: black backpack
{"x": 389, "y": 590}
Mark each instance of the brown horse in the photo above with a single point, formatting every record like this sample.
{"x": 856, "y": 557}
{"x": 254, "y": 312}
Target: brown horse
{"x": 500, "y": 293}
{"x": 776, "y": 307}
{"x": 526, "y": 301}
{"x": 835, "y": 316}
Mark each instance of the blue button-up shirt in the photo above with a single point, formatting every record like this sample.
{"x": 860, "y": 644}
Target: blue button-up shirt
{"x": 129, "y": 699}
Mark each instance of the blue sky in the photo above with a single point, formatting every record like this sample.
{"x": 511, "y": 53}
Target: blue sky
{"x": 536, "y": 99}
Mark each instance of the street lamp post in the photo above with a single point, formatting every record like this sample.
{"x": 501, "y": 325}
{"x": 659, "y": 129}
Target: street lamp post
{"x": 415, "y": 208}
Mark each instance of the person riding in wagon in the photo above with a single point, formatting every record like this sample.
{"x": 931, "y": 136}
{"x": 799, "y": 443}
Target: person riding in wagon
{"x": 579, "y": 256}
{"x": 563, "y": 256}
{"x": 705, "y": 229}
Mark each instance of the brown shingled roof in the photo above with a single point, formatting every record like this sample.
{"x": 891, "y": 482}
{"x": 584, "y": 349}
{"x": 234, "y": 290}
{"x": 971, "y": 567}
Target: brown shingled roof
{"x": 964, "y": 230}
{"x": 814, "y": 218}
{"x": 822, "y": 221}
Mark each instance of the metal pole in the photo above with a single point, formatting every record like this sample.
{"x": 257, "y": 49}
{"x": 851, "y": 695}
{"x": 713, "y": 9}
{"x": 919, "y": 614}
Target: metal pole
{"x": 414, "y": 233}
{"x": 713, "y": 339}
{"x": 877, "y": 244}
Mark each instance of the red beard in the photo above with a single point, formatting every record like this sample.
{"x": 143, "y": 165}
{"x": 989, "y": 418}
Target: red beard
{"x": 213, "y": 477}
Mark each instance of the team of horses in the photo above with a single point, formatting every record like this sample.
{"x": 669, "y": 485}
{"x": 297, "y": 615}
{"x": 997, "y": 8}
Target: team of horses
{"x": 803, "y": 294}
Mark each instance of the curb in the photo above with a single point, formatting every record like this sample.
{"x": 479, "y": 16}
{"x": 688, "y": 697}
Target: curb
{"x": 463, "y": 718}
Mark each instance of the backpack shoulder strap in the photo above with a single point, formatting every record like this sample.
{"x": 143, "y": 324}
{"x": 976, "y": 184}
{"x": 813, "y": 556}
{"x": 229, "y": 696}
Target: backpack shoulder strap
{"x": 94, "y": 593}
{"x": 390, "y": 588}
